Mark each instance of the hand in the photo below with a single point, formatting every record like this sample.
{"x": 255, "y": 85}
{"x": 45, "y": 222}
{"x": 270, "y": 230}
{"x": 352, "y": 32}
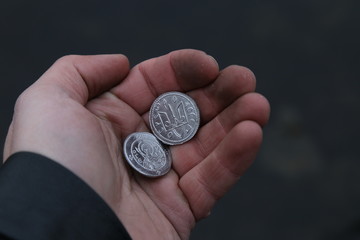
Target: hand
{"x": 81, "y": 110}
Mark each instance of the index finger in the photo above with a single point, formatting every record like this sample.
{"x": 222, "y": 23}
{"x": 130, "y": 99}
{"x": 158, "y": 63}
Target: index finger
{"x": 181, "y": 70}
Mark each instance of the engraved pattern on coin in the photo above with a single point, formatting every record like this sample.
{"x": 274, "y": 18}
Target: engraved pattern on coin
{"x": 174, "y": 118}
{"x": 146, "y": 154}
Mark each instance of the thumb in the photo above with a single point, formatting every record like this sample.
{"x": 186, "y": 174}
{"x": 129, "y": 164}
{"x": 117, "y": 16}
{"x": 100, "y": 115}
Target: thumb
{"x": 84, "y": 77}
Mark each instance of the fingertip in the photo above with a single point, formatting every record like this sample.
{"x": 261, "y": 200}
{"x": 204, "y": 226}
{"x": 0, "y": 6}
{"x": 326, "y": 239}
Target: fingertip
{"x": 255, "y": 107}
{"x": 193, "y": 68}
{"x": 244, "y": 77}
{"x": 249, "y": 130}
{"x": 248, "y": 74}
{"x": 123, "y": 60}
{"x": 114, "y": 62}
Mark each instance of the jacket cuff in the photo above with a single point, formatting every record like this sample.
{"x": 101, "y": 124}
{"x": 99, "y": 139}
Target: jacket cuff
{"x": 41, "y": 199}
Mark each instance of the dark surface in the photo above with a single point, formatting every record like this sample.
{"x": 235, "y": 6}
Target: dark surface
{"x": 305, "y": 54}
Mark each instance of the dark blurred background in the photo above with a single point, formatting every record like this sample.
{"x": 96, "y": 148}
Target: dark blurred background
{"x": 306, "y": 56}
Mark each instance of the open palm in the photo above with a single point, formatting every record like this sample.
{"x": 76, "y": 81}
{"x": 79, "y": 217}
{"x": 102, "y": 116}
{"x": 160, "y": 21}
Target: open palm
{"x": 82, "y": 109}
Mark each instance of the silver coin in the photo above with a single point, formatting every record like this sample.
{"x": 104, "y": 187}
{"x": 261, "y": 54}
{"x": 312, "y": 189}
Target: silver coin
{"x": 174, "y": 118}
{"x": 146, "y": 154}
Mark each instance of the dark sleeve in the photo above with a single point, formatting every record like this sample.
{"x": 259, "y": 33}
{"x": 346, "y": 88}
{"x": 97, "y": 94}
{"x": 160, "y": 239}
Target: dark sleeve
{"x": 40, "y": 199}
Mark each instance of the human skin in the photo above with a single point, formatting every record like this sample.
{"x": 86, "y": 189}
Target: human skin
{"x": 82, "y": 109}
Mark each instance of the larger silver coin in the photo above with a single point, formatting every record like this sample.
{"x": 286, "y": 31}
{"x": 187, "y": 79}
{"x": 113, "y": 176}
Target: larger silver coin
{"x": 146, "y": 154}
{"x": 174, "y": 118}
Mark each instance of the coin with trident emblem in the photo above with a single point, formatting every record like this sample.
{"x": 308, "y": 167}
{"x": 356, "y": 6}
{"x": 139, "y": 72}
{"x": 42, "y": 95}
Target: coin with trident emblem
{"x": 174, "y": 118}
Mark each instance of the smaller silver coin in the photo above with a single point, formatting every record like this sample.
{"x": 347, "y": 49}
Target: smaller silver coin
{"x": 146, "y": 154}
{"x": 174, "y": 118}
